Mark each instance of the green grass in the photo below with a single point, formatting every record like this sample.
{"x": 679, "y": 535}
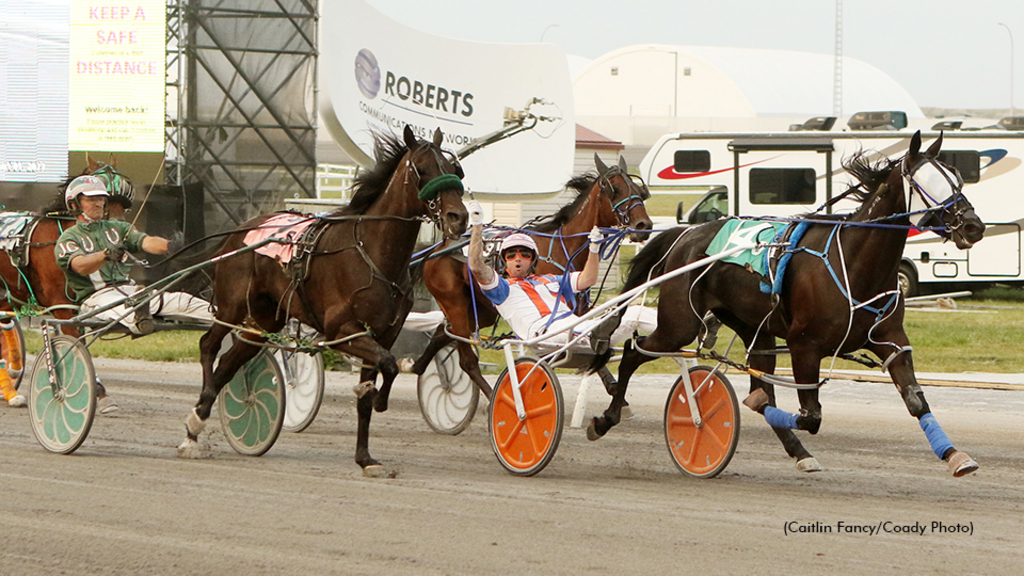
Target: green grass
{"x": 985, "y": 335}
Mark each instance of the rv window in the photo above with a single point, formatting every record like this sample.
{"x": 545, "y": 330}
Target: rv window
{"x": 967, "y": 162}
{"x": 691, "y": 161}
{"x": 782, "y": 185}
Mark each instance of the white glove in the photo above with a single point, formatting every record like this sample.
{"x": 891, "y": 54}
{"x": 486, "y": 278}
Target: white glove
{"x": 476, "y": 213}
{"x": 595, "y": 240}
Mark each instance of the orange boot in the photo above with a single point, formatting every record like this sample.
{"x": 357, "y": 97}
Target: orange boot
{"x": 7, "y": 385}
{"x": 10, "y": 345}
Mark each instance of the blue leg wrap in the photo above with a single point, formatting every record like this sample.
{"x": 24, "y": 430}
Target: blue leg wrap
{"x": 936, "y": 437}
{"x": 779, "y": 418}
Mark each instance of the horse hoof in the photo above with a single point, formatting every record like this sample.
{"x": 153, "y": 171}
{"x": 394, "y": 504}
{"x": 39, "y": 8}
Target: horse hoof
{"x": 191, "y": 450}
{"x": 626, "y": 413}
{"x": 405, "y": 365}
{"x": 592, "y": 433}
{"x": 756, "y": 400}
{"x": 378, "y": 471}
{"x": 960, "y": 464}
{"x": 809, "y": 464}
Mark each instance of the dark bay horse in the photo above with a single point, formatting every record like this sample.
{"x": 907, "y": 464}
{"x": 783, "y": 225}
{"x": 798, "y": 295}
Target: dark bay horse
{"x": 356, "y": 289}
{"x": 838, "y": 295}
{"x": 609, "y": 198}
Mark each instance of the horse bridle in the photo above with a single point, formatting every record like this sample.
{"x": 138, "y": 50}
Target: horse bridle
{"x": 431, "y": 199}
{"x": 952, "y": 205}
{"x": 634, "y": 199}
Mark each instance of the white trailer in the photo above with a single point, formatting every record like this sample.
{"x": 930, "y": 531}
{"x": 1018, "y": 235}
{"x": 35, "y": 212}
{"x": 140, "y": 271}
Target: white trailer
{"x": 789, "y": 173}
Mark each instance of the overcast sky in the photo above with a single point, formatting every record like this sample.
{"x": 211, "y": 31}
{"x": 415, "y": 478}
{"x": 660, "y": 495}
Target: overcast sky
{"x": 945, "y": 53}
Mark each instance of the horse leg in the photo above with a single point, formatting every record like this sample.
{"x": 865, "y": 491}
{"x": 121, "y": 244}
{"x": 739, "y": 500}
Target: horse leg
{"x": 437, "y": 341}
{"x": 762, "y": 400}
{"x": 213, "y": 381}
{"x": 668, "y": 337}
{"x": 367, "y": 395}
{"x": 901, "y": 368}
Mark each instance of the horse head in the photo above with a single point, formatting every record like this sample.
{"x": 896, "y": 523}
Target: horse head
{"x": 437, "y": 179}
{"x": 627, "y": 194}
{"x": 935, "y": 195}
{"x": 119, "y": 186}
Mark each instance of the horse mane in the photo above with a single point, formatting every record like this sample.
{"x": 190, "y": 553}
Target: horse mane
{"x": 870, "y": 174}
{"x": 388, "y": 149}
{"x": 549, "y": 223}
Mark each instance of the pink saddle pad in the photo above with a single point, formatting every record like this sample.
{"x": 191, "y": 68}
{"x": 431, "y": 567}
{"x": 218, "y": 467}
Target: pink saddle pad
{"x": 287, "y": 227}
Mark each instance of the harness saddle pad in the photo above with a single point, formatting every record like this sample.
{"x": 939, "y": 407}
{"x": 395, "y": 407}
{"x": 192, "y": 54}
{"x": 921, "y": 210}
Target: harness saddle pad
{"x": 287, "y": 227}
{"x": 736, "y": 232}
{"x": 15, "y": 231}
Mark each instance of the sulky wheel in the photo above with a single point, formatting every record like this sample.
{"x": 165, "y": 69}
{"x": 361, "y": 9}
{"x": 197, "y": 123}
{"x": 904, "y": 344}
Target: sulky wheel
{"x": 702, "y": 451}
{"x": 525, "y": 447}
{"x": 61, "y": 412}
{"x": 448, "y": 397}
{"x": 252, "y": 406}
{"x": 304, "y": 388}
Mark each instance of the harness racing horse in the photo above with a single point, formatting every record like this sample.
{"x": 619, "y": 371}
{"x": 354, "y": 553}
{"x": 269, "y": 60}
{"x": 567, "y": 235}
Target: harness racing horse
{"x": 608, "y": 199}
{"x": 838, "y": 294}
{"x": 356, "y": 289}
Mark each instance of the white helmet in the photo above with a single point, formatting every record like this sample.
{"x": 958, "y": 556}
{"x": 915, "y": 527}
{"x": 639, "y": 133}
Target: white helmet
{"x": 515, "y": 240}
{"x": 88, "y": 185}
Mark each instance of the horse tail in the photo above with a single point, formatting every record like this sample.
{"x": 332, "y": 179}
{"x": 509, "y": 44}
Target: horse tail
{"x": 649, "y": 262}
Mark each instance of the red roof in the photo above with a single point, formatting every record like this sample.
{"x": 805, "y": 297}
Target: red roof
{"x": 587, "y": 138}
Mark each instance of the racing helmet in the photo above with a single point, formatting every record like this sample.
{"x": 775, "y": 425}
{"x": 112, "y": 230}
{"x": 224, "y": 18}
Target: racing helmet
{"x": 88, "y": 185}
{"x": 518, "y": 240}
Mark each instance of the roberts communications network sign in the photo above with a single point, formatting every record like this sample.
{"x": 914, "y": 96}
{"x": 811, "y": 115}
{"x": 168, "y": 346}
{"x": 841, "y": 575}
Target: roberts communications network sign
{"x": 379, "y": 76}
{"x": 117, "y": 76}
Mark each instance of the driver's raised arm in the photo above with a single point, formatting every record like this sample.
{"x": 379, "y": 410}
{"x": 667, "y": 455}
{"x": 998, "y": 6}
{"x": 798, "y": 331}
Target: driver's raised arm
{"x": 477, "y": 265}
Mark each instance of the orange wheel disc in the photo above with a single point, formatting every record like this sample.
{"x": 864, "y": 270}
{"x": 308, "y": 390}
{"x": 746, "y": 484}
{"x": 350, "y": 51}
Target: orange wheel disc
{"x": 705, "y": 450}
{"x": 524, "y": 447}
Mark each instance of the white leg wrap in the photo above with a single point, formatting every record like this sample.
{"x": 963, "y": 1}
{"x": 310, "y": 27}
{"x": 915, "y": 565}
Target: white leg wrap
{"x": 194, "y": 425}
{"x": 363, "y": 388}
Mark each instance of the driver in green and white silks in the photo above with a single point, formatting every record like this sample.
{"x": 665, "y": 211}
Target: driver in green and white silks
{"x": 93, "y": 255}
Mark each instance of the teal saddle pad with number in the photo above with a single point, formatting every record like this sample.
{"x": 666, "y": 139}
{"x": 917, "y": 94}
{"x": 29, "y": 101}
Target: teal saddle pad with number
{"x": 737, "y": 232}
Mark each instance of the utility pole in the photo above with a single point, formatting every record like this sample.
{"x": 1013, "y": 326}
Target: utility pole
{"x": 837, "y": 65}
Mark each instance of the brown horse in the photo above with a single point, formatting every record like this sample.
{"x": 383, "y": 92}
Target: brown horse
{"x": 609, "y": 198}
{"x": 356, "y": 289}
{"x": 838, "y": 294}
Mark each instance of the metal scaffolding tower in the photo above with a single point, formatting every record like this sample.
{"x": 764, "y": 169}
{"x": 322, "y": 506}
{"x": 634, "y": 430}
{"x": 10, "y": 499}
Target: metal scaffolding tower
{"x": 241, "y": 103}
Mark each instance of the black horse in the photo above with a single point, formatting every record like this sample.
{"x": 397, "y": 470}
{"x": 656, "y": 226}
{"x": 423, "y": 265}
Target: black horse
{"x": 837, "y": 295}
{"x": 355, "y": 289}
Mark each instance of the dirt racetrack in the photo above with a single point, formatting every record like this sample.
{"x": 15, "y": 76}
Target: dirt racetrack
{"x": 124, "y": 504}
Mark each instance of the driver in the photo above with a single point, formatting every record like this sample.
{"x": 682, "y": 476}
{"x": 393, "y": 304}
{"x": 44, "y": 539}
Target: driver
{"x": 93, "y": 255}
{"x": 534, "y": 304}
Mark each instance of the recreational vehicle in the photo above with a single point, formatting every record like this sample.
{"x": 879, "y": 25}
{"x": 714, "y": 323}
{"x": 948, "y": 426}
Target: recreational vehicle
{"x": 784, "y": 174}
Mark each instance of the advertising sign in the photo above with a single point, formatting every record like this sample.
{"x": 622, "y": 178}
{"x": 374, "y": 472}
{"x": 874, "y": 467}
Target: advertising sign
{"x": 117, "y": 76}
{"x": 377, "y": 76}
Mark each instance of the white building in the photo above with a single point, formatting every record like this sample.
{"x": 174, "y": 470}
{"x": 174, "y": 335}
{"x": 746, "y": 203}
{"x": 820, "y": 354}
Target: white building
{"x": 638, "y": 93}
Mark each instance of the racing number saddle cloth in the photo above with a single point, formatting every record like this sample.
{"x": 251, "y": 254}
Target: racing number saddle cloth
{"x": 768, "y": 262}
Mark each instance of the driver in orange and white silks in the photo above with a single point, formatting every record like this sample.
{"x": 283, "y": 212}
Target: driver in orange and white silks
{"x": 534, "y": 304}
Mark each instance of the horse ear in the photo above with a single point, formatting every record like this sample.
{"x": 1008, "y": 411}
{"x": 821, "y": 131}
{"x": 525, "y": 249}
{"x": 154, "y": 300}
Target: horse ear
{"x": 915, "y": 148}
{"x": 410, "y": 138}
{"x": 622, "y": 165}
{"x": 601, "y": 168}
{"x": 438, "y": 138}
{"x": 93, "y": 165}
{"x": 933, "y": 150}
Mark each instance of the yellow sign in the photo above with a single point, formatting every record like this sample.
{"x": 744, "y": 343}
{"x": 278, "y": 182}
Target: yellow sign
{"x": 116, "y": 88}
